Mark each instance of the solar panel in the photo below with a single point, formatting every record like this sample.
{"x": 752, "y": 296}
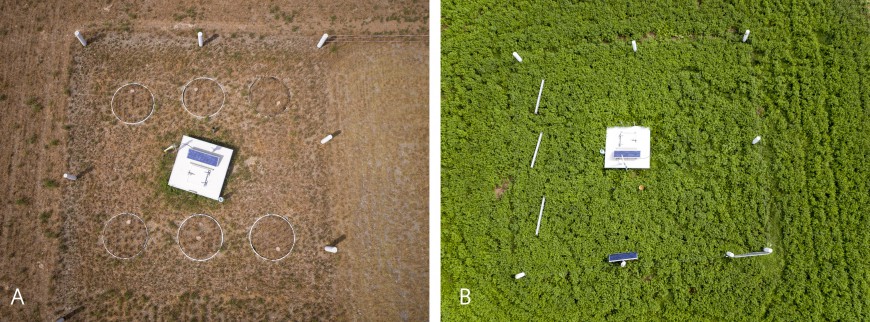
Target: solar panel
{"x": 204, "y": 157}
{"x": 626, "y": 154}
{"x": 622, "y": 257}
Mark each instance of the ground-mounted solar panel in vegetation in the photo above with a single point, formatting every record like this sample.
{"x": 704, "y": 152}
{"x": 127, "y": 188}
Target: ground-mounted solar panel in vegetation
{"x": 626, "y": 154}
{"x": 618, "y": 257}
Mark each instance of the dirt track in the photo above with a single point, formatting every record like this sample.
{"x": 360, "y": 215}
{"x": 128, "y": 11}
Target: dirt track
{"x": 369, "y": 185}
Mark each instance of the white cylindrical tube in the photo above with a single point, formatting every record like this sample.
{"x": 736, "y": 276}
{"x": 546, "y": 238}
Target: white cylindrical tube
{"x": 756, "y": 140}
{"x": 322, "y": 40}
{"x": 539, "y": 96}
{"x": 331, "y": 249}
{"x": 634, "y": 46}
{"x": 69, "y": 176}
{"x": 535, "y": 156}
{"x": 81, "y": 38}
{"x": 540, "y": 214}
{"x": 520, "y": 275}
{"x": 199, "y": 38}
{"x": 517, "y": 56}
{"x": 768, "y": 250}
{"x": 326, "y": 139}
{"x": 746, "y": 35}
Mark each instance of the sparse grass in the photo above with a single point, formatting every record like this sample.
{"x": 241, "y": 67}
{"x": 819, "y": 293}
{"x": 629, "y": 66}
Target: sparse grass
{"x": 185, "y": 13}
{"x": 125, "y": 26}
{"x": 49, "y": 183}
{"x": 51, "y": 234}
{"x": 45, "y": 216}
{"x": 22, "y": 201}
{"x": 34, "y": 103}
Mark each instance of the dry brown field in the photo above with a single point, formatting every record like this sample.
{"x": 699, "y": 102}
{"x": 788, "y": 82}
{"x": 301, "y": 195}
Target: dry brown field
{"x": 274, "y": 96}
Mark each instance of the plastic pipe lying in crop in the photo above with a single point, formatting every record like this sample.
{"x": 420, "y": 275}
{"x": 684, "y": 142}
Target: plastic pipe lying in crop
{"x": 517, "y": 56}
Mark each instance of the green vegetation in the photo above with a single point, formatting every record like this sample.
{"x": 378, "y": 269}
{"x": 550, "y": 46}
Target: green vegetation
{"x": 44, "y": 216}
{"x": 34, "y": 103}
{"x": 801, "y": 82}
{"x": 49, "y": 183}
{"x": 22, "y": 201}
{"x": 278, "y": 14}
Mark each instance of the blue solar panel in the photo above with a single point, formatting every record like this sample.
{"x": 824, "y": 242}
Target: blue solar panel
{"x": 626, "y": 154}
{"x": 204, "y": 157}
{"x": 622, "y": 257}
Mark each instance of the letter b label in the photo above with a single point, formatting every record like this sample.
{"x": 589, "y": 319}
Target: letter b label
{"x": 464, "y": 296}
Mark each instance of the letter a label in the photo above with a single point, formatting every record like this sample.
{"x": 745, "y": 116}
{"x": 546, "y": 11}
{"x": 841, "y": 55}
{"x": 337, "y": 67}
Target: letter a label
{"x": 17, "y": 297}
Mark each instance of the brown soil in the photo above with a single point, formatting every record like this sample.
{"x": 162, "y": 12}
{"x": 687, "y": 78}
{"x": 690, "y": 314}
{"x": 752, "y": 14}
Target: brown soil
{"x": 200, "y": 237}
{"x": 369, "y": 183}
{"x": 269, "y": 96}
{"x": 273, "y": 238}
{"x": 499, "y": 190}
{"x": 125, "y": 236}
{"x": 132, "y": 103}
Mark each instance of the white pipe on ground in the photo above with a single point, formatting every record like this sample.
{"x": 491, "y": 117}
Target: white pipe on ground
{"x": 81, "y": 38}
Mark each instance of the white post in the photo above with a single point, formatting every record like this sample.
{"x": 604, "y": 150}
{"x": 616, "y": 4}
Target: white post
{"x": 326, "y": 139}
{"x": 171, "y": 147}
{"x": 520, "y": 275}
{"x": 756, "y": 140}
{"x": 322, "y": 40}
{"x": 199, "y": 38}
{"x": 70, "y": 177}
{"x": 634, "y": 46}
{"x": 540, "y": 214}
{"x": 539, "y": 96}
{"x": 536, "y": 149}
{"x": 81, "y": 39}
{"x": 765, "y": 251}
{"x": 517, "y": 56}
{"x": 331, "y": 249}
{"x": 746, "y": 35}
